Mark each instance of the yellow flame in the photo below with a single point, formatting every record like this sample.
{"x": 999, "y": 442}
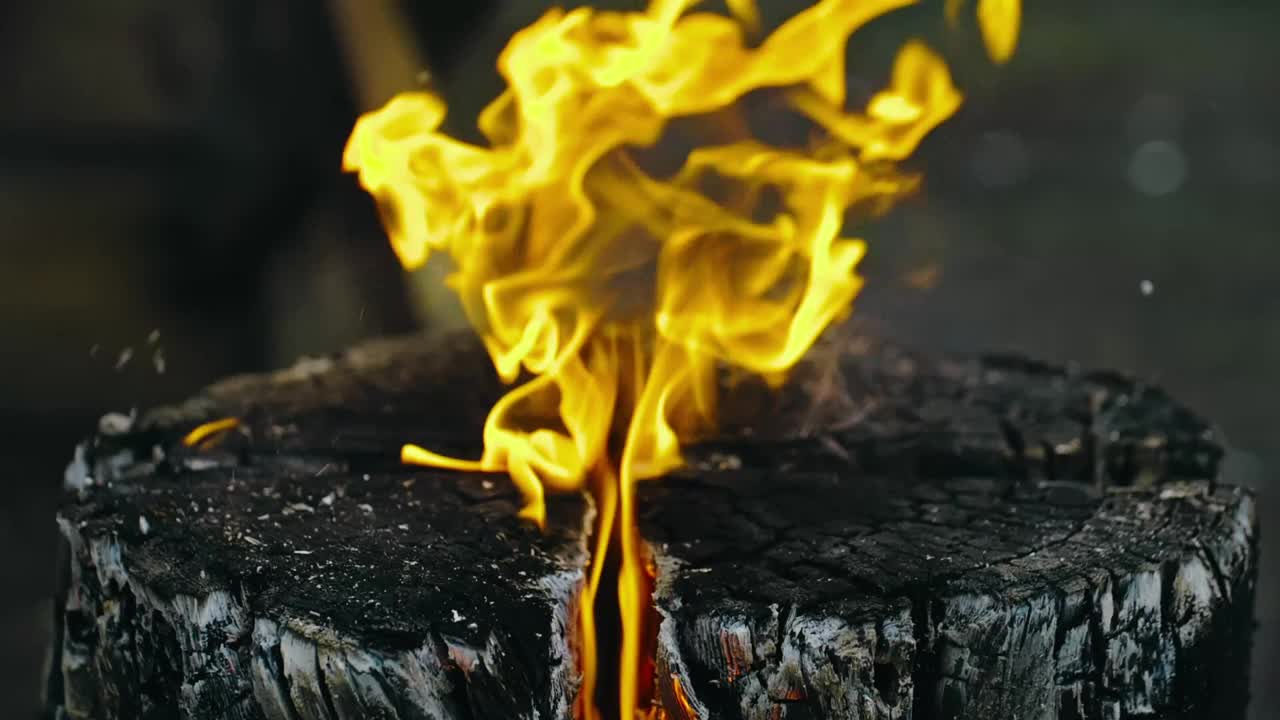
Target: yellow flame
{"x": 613, "y": 293}
{"x": 210, "y": 429}
{"x": 998, "y": 20}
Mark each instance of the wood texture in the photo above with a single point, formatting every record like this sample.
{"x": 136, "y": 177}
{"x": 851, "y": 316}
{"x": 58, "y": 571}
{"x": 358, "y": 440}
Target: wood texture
{"x": 888, "y": 537}
{"x": 988, "y": 538}
{"x": 296, "y": 571}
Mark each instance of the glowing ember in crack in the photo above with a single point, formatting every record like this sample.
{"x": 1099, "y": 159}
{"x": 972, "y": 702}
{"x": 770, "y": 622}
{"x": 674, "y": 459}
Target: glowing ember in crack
{"x": 613, "y": 293}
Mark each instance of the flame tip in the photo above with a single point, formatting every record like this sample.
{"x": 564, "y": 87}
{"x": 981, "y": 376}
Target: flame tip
{"x": 209, "y": 430}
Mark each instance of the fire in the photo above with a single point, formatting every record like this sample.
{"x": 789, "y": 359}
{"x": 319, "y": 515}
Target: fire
{"x": 612, "y": 293}
{"x": 210, "y": 430}
{"x": 999, "y": 21}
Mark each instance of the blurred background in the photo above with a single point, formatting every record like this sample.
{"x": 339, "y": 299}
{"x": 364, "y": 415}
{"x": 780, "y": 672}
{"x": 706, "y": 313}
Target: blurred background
{"x": 172, "y": 210}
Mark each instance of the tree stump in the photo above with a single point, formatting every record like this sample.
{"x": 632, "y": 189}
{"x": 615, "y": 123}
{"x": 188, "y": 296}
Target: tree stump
{"x": 888, "y": 536}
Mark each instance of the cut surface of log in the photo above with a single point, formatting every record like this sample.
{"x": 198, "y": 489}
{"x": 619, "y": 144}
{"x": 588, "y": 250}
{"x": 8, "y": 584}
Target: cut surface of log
{"x": 988, "y": 538}
{"x": 293, "y": 569}
{"x": 889, "y": 536}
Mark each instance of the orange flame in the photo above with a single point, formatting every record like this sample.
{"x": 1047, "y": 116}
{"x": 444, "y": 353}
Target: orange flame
{"x": 617, "y": 292}
{"x": 682, "y": 700}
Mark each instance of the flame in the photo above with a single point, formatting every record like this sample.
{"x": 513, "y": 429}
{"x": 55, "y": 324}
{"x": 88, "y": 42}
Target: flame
{"x": 208, "y": 430}
{"x": 682, "y": 699}
{"x": 999, "y": 22}
{"x": 612, "y": 293}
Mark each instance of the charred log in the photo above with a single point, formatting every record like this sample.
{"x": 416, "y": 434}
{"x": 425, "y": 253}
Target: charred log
{"x": 889, "y": 537}
{"x": 989, "y": 538}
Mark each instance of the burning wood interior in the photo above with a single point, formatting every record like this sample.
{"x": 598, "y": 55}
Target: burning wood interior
{"x": 657, "y": 478}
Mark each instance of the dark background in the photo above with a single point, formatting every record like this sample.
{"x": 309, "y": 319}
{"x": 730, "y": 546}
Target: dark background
{"x": 171, "y": 211}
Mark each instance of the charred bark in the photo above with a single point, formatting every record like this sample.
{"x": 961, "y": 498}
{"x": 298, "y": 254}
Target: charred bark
{"x": 889, "y": 537}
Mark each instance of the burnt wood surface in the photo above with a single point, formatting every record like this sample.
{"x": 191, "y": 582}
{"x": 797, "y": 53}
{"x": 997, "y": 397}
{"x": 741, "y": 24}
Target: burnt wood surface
{"x": 890, "y": 536}
{"x": 906, "y": 537}
{"x": 293, "y": 569}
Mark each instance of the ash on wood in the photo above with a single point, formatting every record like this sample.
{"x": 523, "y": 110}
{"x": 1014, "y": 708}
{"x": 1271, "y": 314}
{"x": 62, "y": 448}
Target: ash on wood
{"x": 294, "y": 570}
{"x": 939, "y": 539}
{"x": 889, "y": 537}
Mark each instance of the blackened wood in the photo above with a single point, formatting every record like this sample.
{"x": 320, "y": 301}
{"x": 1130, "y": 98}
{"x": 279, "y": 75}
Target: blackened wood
{"x": 293, "y": 569}
{"x": 888, "y": 537}
{"x": 900, "y": 537}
